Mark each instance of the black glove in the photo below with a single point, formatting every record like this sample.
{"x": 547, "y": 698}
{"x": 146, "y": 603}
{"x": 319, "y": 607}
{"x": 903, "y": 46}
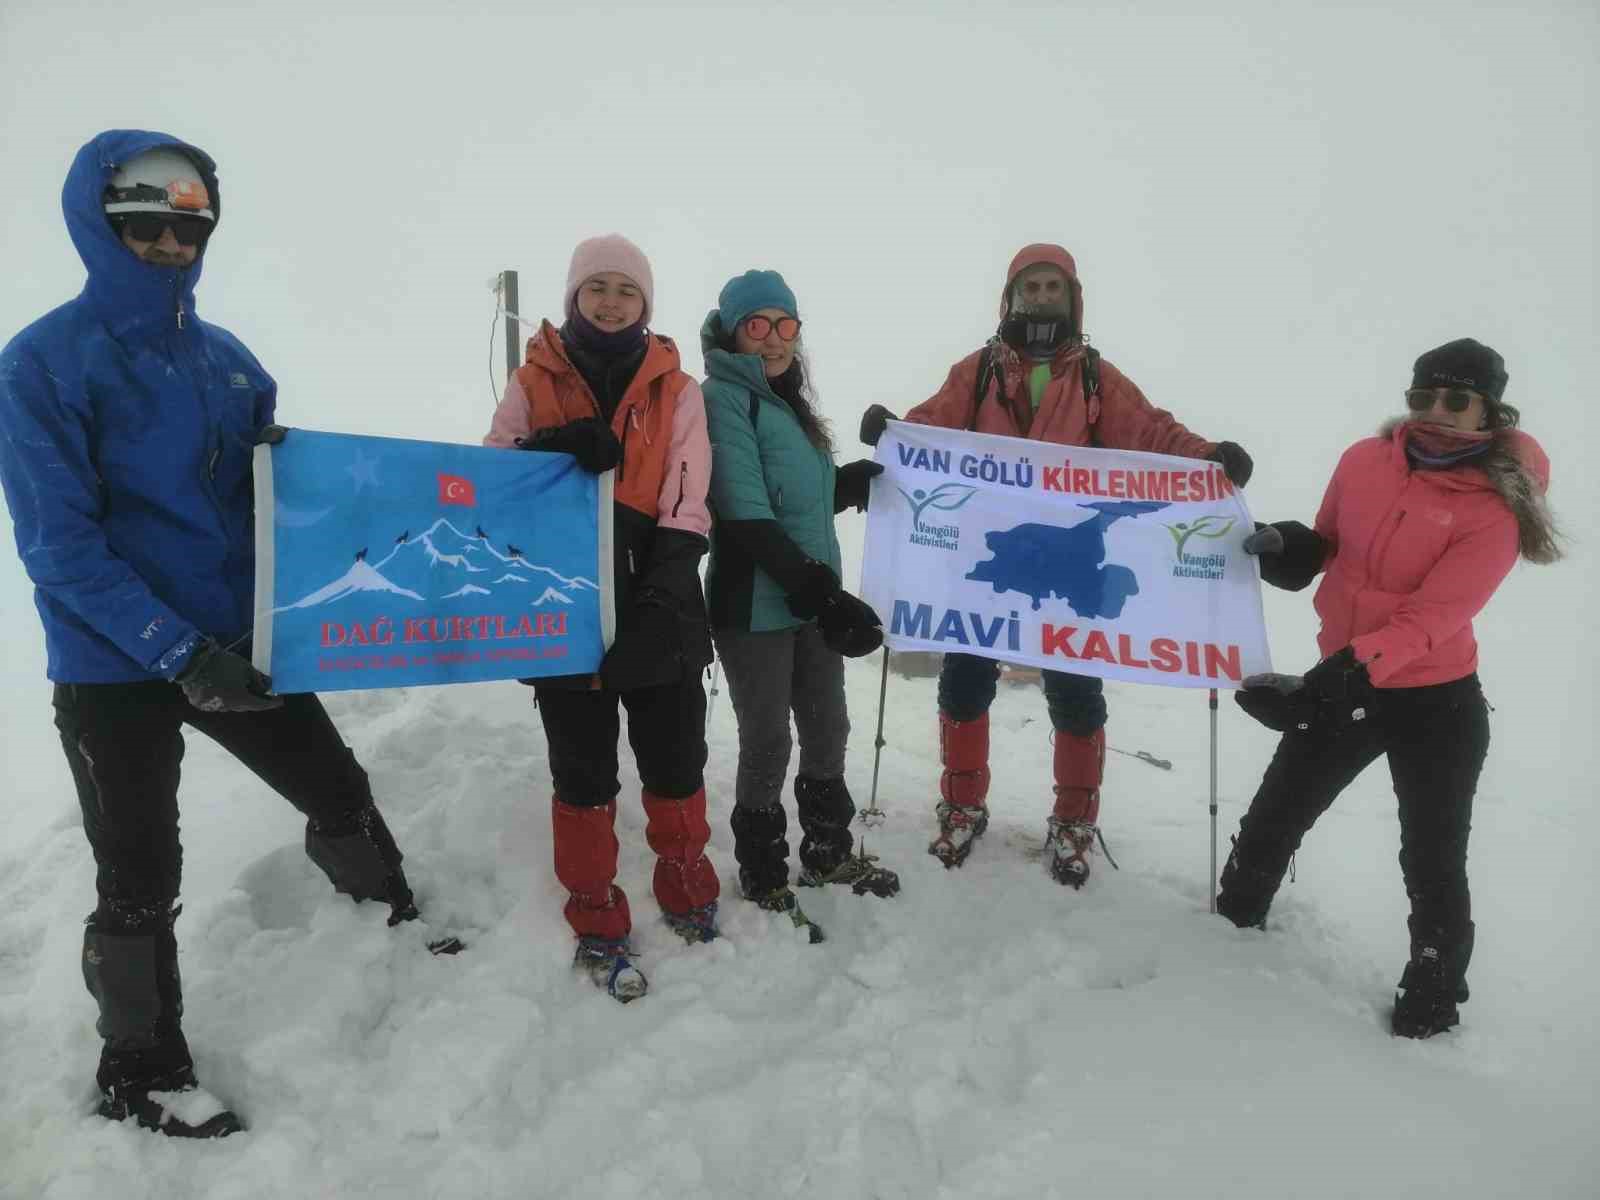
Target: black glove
{"x": 1290, "y": 554}
{"x": 1278, "y": 701}
{"x": 1235, "y": 463}
{"x": 873, "y": 422}
{"x": 809, "y": 587}
{"x": 218, "y": 680}
{"x": 647, "y": 651}
{"x": 588, "y": 439}
{"x": 849, "y": 626}
{"x": 1340, "y": 679}
{"x": 1335, "y": 693}
{"x": 852, "y": 483}
{"x": 1341, "y": 690}
{"x": 271, "y": 435}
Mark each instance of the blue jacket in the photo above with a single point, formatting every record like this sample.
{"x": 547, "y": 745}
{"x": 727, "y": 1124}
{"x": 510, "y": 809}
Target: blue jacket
{"x": 126, "y": 432}
{"x": 768, "y": 484}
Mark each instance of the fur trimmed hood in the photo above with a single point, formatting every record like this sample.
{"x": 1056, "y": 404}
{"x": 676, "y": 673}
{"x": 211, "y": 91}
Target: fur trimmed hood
{"x": 1517, "y": 469}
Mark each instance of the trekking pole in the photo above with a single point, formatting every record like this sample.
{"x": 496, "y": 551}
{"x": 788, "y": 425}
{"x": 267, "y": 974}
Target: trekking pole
{"x": 1144, "y": 756}
{"x": 872, "y": 816}
{"x": 1212, "y": 890}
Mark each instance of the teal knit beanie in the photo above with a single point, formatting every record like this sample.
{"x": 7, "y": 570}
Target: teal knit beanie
{"x": 744, "y": 294}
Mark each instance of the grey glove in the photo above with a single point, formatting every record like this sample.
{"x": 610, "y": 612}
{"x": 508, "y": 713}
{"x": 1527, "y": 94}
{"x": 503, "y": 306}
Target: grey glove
{"x": 218, "y": 680}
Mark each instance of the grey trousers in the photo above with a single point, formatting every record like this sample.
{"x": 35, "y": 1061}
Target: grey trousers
{"x": 769, "y": 676}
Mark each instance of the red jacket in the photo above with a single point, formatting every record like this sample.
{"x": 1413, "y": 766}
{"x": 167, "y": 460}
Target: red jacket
{"x": 1122, "y": 419}
{"x": 1413, "y": 556}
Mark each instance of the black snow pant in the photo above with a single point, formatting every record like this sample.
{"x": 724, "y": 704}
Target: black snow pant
{"x": 666, "y": 728}
{"x": 1436, "y": 739}
{"x": 124, "y": 745}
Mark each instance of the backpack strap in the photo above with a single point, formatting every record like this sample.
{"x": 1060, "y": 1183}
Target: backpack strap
{"x": 1091, "y": 390}
{"x": 986, "y": 373}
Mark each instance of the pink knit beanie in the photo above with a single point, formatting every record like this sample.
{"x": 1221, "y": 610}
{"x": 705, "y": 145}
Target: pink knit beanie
{"x": 610, "y": 252}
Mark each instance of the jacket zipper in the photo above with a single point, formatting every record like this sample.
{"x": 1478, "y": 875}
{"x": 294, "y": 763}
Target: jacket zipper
{"x": 683, "y": 482}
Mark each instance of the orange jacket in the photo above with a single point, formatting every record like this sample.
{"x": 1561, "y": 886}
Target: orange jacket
{"x": 665, "y": 471}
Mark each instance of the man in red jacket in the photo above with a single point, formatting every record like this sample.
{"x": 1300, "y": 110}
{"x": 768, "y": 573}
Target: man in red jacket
{"x": 1038, "y": 378}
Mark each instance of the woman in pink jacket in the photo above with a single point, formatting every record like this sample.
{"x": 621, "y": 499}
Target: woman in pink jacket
{"x": 1417, "y": 529}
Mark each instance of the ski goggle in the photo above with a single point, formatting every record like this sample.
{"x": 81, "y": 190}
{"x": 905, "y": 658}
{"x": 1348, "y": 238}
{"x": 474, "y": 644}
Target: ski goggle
{"x": 1456, "y": 400}
{"x": 758, "y": 327}
{"x": 148, "y": 227}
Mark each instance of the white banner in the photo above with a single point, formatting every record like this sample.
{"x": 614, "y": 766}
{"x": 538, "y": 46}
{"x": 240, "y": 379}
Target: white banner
{"x": 1098, "y": 562}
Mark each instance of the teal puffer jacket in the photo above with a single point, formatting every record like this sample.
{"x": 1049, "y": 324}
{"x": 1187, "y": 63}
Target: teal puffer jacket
{"x": 763, "y": 468}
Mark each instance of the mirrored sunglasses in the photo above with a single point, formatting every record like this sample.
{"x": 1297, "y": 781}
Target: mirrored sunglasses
{"x": 1456, "y": 400}
{"x": 758, "y": 327}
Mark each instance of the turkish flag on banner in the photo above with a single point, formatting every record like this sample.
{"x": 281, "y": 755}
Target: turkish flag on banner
{"x": 453, "y": 489}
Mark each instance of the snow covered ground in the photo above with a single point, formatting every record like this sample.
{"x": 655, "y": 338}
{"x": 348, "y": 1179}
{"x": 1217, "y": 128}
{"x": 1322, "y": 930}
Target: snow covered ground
{"x": 1275, "y": 206}
{"x": 988, "y": 1033}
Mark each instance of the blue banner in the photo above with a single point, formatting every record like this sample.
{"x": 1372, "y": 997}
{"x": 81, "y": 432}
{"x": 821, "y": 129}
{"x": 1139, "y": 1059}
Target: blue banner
{"x": 390, "y": 563}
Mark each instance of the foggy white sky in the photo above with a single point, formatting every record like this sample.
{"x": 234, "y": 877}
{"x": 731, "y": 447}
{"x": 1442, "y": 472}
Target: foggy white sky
{"x": 1275, "y": 207}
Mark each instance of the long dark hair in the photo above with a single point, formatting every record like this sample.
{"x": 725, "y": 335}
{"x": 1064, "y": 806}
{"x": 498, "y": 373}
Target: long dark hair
{"x": 794, "y": 386}
{"x": 1497, "y": 414}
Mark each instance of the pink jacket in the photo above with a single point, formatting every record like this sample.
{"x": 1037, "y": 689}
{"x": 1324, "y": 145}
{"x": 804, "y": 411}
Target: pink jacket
{"x": 1414, "y": 555}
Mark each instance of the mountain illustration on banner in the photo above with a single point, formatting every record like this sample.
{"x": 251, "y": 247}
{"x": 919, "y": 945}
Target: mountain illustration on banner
{"x": 442, "y": 563}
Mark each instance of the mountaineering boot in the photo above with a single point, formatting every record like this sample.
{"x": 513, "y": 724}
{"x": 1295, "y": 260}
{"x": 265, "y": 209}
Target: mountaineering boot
{"x": 1245, "y": 892}
{"x": 686, "y": 884}
{"x": 586, "y": 864}
{"x": 1067, "y": 847}
{"x": 130, "y": 966}
{"x": 1426, "y": 1002}
{"x": 761, "y": 848}
{"x": 1071, "y": 830}
{"x": 860, "y": 873}
{"x": 695, "y": 926}
{"x": 963, "y": 786}
{"x": 359, "y": 856}
{"x": 782, "y": 900}
{"x": 173, "y": 1104}
{"x": 1434, "y": 982}
{"x": 826, "y": 811}
{"x": 608, "y": 966}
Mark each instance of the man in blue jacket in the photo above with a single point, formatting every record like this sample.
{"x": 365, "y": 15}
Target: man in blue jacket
{"x": 127, "y": 426}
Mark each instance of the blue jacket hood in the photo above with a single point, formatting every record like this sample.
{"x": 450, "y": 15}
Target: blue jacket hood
{"x": 121, "y": 290}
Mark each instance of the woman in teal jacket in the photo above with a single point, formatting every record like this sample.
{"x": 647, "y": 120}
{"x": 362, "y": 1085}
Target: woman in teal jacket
{"x": 779, "y": 616}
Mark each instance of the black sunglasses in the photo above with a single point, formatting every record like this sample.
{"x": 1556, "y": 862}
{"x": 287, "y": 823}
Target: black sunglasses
{"x": 148, "y": 227}
{"x": 1456, "y": 400}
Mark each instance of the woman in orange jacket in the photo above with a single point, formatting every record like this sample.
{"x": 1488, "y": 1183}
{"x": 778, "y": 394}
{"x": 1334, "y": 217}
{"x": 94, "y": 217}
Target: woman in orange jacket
{"x": 607, "y": 390}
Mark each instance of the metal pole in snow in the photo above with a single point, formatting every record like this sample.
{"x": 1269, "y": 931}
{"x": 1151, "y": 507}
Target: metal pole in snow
{"x": 508, "y": 301}
{"x": 873, "y": 815}
{"x": 1212, "y": 890}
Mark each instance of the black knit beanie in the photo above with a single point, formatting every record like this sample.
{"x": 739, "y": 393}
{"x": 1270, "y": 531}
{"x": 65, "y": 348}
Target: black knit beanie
{"x": 1462, "y": 363}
